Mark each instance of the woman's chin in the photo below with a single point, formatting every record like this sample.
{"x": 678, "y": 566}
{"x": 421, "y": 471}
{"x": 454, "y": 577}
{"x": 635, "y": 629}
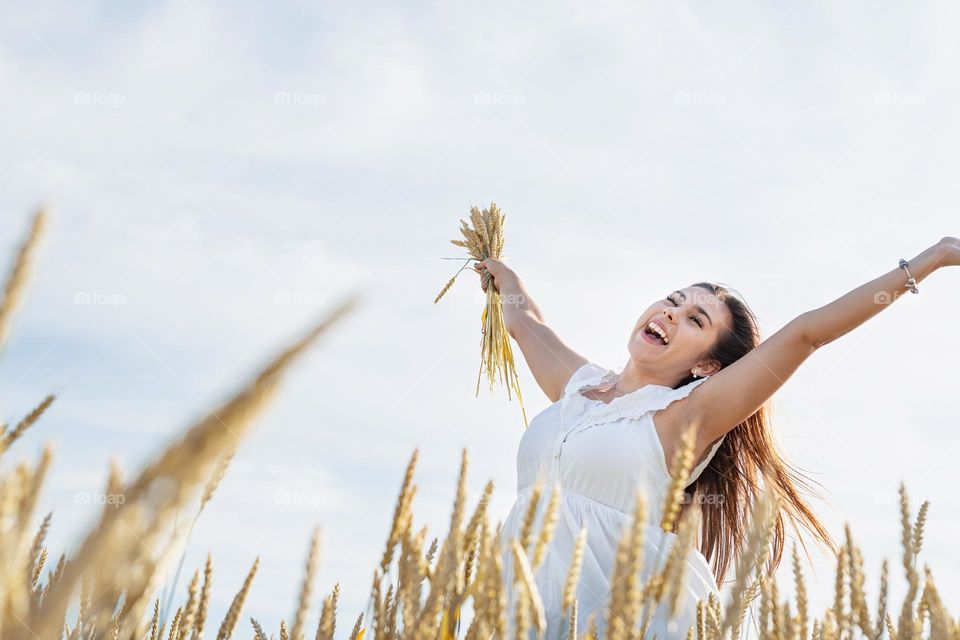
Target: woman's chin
{"x": 640, "y": 349}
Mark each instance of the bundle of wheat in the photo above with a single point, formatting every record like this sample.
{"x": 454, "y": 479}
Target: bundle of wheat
{"x": 482, "y": 240}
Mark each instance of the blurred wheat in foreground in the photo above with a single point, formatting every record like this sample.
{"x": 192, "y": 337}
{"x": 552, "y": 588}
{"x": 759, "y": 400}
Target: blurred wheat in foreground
{"x": 112, "y": 584}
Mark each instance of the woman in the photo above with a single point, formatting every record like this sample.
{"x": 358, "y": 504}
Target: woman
{"x": 695, "y": 360}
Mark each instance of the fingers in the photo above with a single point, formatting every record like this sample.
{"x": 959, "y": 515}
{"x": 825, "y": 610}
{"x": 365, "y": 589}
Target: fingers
{"x": 485, "y": 275}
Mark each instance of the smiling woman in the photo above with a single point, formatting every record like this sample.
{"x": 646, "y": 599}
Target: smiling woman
{"x": 696, "y": 366}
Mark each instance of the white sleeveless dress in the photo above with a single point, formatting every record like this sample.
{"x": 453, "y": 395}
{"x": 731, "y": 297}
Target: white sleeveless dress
{"x": 600, "y": 453}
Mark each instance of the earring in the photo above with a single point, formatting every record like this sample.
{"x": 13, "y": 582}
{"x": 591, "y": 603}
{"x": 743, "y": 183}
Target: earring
{"x": 695, "y": 374}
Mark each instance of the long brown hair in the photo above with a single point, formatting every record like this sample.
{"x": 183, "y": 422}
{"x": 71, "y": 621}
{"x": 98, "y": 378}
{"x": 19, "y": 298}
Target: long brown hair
{"x": 748, "y": 453}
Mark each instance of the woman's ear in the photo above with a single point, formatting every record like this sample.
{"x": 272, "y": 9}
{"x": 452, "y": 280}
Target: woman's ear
{"x": 707, "y": 368}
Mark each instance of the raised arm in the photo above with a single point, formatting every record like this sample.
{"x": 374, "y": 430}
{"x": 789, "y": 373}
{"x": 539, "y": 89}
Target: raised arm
{"x": 734, "y": 393}
{"x": 550, "y": 360}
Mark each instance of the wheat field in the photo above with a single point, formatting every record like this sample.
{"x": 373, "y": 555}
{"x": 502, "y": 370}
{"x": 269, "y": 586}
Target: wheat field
{"x": 110, "y": 586}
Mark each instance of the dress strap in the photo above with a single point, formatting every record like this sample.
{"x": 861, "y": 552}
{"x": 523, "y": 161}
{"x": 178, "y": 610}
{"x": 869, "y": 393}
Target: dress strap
{"x": 706, "y": 460}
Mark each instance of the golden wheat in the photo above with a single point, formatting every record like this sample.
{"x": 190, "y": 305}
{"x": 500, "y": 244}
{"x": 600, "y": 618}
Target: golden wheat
{"x": 233, "y": 613}
{"x": 484, "y": 239}
{"x": 303, "y": 607}
{"x": 679, "y": 472}
{"x": 21, "y": 271}
{"x": 573, "y": 573}
{"x": 7, "y": 438}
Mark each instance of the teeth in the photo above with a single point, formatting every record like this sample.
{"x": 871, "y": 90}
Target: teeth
{"x": 653, "y": 326}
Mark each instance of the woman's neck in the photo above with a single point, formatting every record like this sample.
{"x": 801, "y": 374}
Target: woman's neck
{"x": 634, "y": 376}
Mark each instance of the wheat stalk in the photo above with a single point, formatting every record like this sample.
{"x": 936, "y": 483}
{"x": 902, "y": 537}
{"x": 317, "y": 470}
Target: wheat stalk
{"x": 18, "y": 279}
{"x": 303, "y": 606}
{"x": 573, "y": 572}
{"x": 483, "y": 238}
{"x": 679, "y": 473}
{"x": 233, "y": 613}
{"x": 9, "y": 437}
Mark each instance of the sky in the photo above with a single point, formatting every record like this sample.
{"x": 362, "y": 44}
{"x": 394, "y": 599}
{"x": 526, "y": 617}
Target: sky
{"x": 223, "y": 173}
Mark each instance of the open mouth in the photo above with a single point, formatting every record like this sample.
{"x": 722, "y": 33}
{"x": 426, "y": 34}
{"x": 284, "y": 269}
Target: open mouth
{"x": 654, "y": 334}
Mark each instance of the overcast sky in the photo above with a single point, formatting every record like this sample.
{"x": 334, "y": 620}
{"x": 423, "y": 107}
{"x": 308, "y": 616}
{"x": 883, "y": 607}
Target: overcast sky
{"x": 224, "y": 172}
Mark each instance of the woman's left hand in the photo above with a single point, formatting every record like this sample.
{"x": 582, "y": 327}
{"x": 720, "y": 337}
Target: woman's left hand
{"x": 950, "y": 248}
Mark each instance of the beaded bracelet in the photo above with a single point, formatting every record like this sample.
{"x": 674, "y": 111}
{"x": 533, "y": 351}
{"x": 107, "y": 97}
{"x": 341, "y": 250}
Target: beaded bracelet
{"x": 911, "y": 282}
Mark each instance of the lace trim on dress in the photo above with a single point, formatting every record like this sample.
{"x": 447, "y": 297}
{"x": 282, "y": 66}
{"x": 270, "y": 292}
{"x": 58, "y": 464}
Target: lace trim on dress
{"x": 637, "y": 403}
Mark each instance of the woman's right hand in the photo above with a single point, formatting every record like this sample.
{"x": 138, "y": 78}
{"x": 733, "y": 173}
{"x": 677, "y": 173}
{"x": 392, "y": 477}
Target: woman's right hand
{"x": 497, "y": 270}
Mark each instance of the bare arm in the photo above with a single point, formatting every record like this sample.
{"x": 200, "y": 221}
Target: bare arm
{"x": 734, "y": 393}
{"x": 827, "y": 323}
{"x": 551, "y": 361}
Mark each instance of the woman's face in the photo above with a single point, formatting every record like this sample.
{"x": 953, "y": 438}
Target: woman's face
{"x": 692, "y": 319}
